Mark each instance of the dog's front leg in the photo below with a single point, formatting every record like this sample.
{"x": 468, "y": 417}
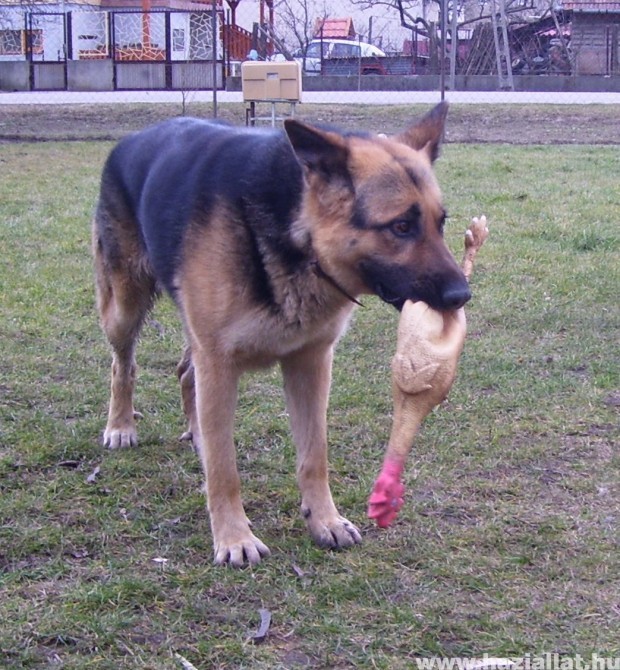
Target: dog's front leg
{"x": 307, "y": 379}
{"x": 216, "y": 399}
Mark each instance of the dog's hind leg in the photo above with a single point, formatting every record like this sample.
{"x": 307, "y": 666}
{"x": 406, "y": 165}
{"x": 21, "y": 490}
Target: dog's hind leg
{"x": 124, "y": 297}
{"x": 185, "y": 373}
{"x": 307, "y": 379}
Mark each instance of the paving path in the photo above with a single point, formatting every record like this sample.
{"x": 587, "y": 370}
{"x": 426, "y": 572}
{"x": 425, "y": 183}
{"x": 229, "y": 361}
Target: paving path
{"x": 332, "y": 97}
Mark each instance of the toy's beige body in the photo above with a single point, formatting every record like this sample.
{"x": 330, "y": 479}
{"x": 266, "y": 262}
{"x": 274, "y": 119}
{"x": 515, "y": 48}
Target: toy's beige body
{"x": 428, "y": 348}
{"x": 423, "y": 370}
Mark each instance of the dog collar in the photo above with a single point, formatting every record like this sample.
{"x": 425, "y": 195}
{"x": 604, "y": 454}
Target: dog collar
{"x": 319, "y": 272}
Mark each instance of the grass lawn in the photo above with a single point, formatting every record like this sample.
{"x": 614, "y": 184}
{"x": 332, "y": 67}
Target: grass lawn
{"x": 508, "y": 542}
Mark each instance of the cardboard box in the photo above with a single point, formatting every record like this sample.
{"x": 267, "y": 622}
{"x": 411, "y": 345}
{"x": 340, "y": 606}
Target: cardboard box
{"x": 271, "y": 81}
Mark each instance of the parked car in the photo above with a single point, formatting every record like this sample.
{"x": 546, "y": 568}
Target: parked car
{"x": 333, "y": 49}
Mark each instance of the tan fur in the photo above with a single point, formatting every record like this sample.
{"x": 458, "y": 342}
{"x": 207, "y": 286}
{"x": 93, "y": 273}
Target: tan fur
{"x": 385, "y": 190}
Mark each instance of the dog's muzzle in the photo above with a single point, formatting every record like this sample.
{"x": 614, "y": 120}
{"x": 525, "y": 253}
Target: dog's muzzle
{"x": 442, "y": 293}
{"x": 455, "y": 297}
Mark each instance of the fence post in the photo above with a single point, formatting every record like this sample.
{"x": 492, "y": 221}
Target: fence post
{"x": 442, "y": 61}
{"x": 168, "y": 51}
{"x": 69, "y": 36}
{"x": 28, "y": 48}
{"x": 112, "y": 48}
{"x": 214, "y": 56}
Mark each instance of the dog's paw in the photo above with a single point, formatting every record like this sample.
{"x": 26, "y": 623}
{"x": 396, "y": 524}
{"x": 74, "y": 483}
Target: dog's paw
{"x": 332, "y": 533}
{"x": 240, "y": 551}
{"x": 115, "y": 438}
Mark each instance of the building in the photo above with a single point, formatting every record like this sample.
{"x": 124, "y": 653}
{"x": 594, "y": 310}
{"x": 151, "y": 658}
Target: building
{"x": 595, "y": 36}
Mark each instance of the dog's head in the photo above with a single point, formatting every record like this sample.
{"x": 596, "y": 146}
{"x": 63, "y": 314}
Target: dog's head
{"x": 373, "y": 212}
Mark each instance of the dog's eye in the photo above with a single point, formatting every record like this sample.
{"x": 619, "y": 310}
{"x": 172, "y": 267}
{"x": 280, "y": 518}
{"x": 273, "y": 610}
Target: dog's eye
{"x": 404, "y": 228}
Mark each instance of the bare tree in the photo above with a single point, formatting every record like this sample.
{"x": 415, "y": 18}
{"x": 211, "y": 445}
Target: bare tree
{"x": 296, "y": 21}
{"x": 413, "y": 14}
{"x": 423, "y": 18}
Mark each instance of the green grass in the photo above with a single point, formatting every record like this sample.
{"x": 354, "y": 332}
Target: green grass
{"x": 508, "y": 542}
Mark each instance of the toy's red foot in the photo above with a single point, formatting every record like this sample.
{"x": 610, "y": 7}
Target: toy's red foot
{"x": 386, "y": 498}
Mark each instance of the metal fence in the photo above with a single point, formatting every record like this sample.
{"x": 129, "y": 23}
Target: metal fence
{"x": 124, "y": 50}
{"x": 563, "y": 50}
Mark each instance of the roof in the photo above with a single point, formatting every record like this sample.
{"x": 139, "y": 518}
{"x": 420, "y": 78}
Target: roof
{"x": 334, "y": 28}
{"x": 592, "y": 6}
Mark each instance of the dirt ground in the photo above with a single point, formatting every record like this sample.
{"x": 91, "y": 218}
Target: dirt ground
{"x": 512, "y": 124}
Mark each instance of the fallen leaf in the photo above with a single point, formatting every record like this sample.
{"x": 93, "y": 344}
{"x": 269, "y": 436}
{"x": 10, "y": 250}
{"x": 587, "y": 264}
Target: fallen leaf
{"x": 265, "y": 622}
{"x": 92, "y": 477}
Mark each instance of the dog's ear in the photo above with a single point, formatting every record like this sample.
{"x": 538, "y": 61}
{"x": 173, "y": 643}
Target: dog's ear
{"x": 426, "y": 135}
{"x": 321, "y": 151}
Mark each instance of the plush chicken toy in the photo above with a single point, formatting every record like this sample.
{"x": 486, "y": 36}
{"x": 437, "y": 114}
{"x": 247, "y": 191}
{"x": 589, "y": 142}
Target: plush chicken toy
{"x": 428, "y": 348}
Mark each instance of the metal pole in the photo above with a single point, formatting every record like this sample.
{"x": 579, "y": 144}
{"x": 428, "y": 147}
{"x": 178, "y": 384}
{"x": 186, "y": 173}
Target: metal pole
{"x": 442, "y": 62}
{"x": 63, "y": 9}
{"x": 214, "y": 55}
{"x": 359, "y": 65}
{"x": 506, "y": 45}
{"x": 454, "y": 42}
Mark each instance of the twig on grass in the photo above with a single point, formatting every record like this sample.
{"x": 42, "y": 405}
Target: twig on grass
{"x": 185, "y": 664}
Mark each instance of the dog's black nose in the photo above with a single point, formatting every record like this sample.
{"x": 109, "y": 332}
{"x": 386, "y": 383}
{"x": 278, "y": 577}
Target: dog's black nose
{"x": 454, "y": 297}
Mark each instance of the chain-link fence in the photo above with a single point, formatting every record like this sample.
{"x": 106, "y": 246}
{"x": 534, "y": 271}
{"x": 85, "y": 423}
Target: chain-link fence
{"x": 480, "y": 46}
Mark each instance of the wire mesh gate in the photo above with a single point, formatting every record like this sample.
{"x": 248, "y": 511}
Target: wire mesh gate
{"x": 125, "y": 50}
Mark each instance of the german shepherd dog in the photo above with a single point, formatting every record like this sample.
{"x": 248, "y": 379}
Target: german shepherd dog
{"x": 263, "y": 239}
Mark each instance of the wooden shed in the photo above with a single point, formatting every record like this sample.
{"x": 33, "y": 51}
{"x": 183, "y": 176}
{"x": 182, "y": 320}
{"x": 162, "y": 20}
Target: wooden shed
{"x": 595, "y": 39}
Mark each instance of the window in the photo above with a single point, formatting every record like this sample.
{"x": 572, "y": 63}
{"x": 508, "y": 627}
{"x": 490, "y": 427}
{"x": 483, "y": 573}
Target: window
{"x": 314, "y": 51}
{"x": 345, "y": 51}
{"x": 36, "y": 41}
{"x": 11, "y": 42}
{"x": 178, "y": 39}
